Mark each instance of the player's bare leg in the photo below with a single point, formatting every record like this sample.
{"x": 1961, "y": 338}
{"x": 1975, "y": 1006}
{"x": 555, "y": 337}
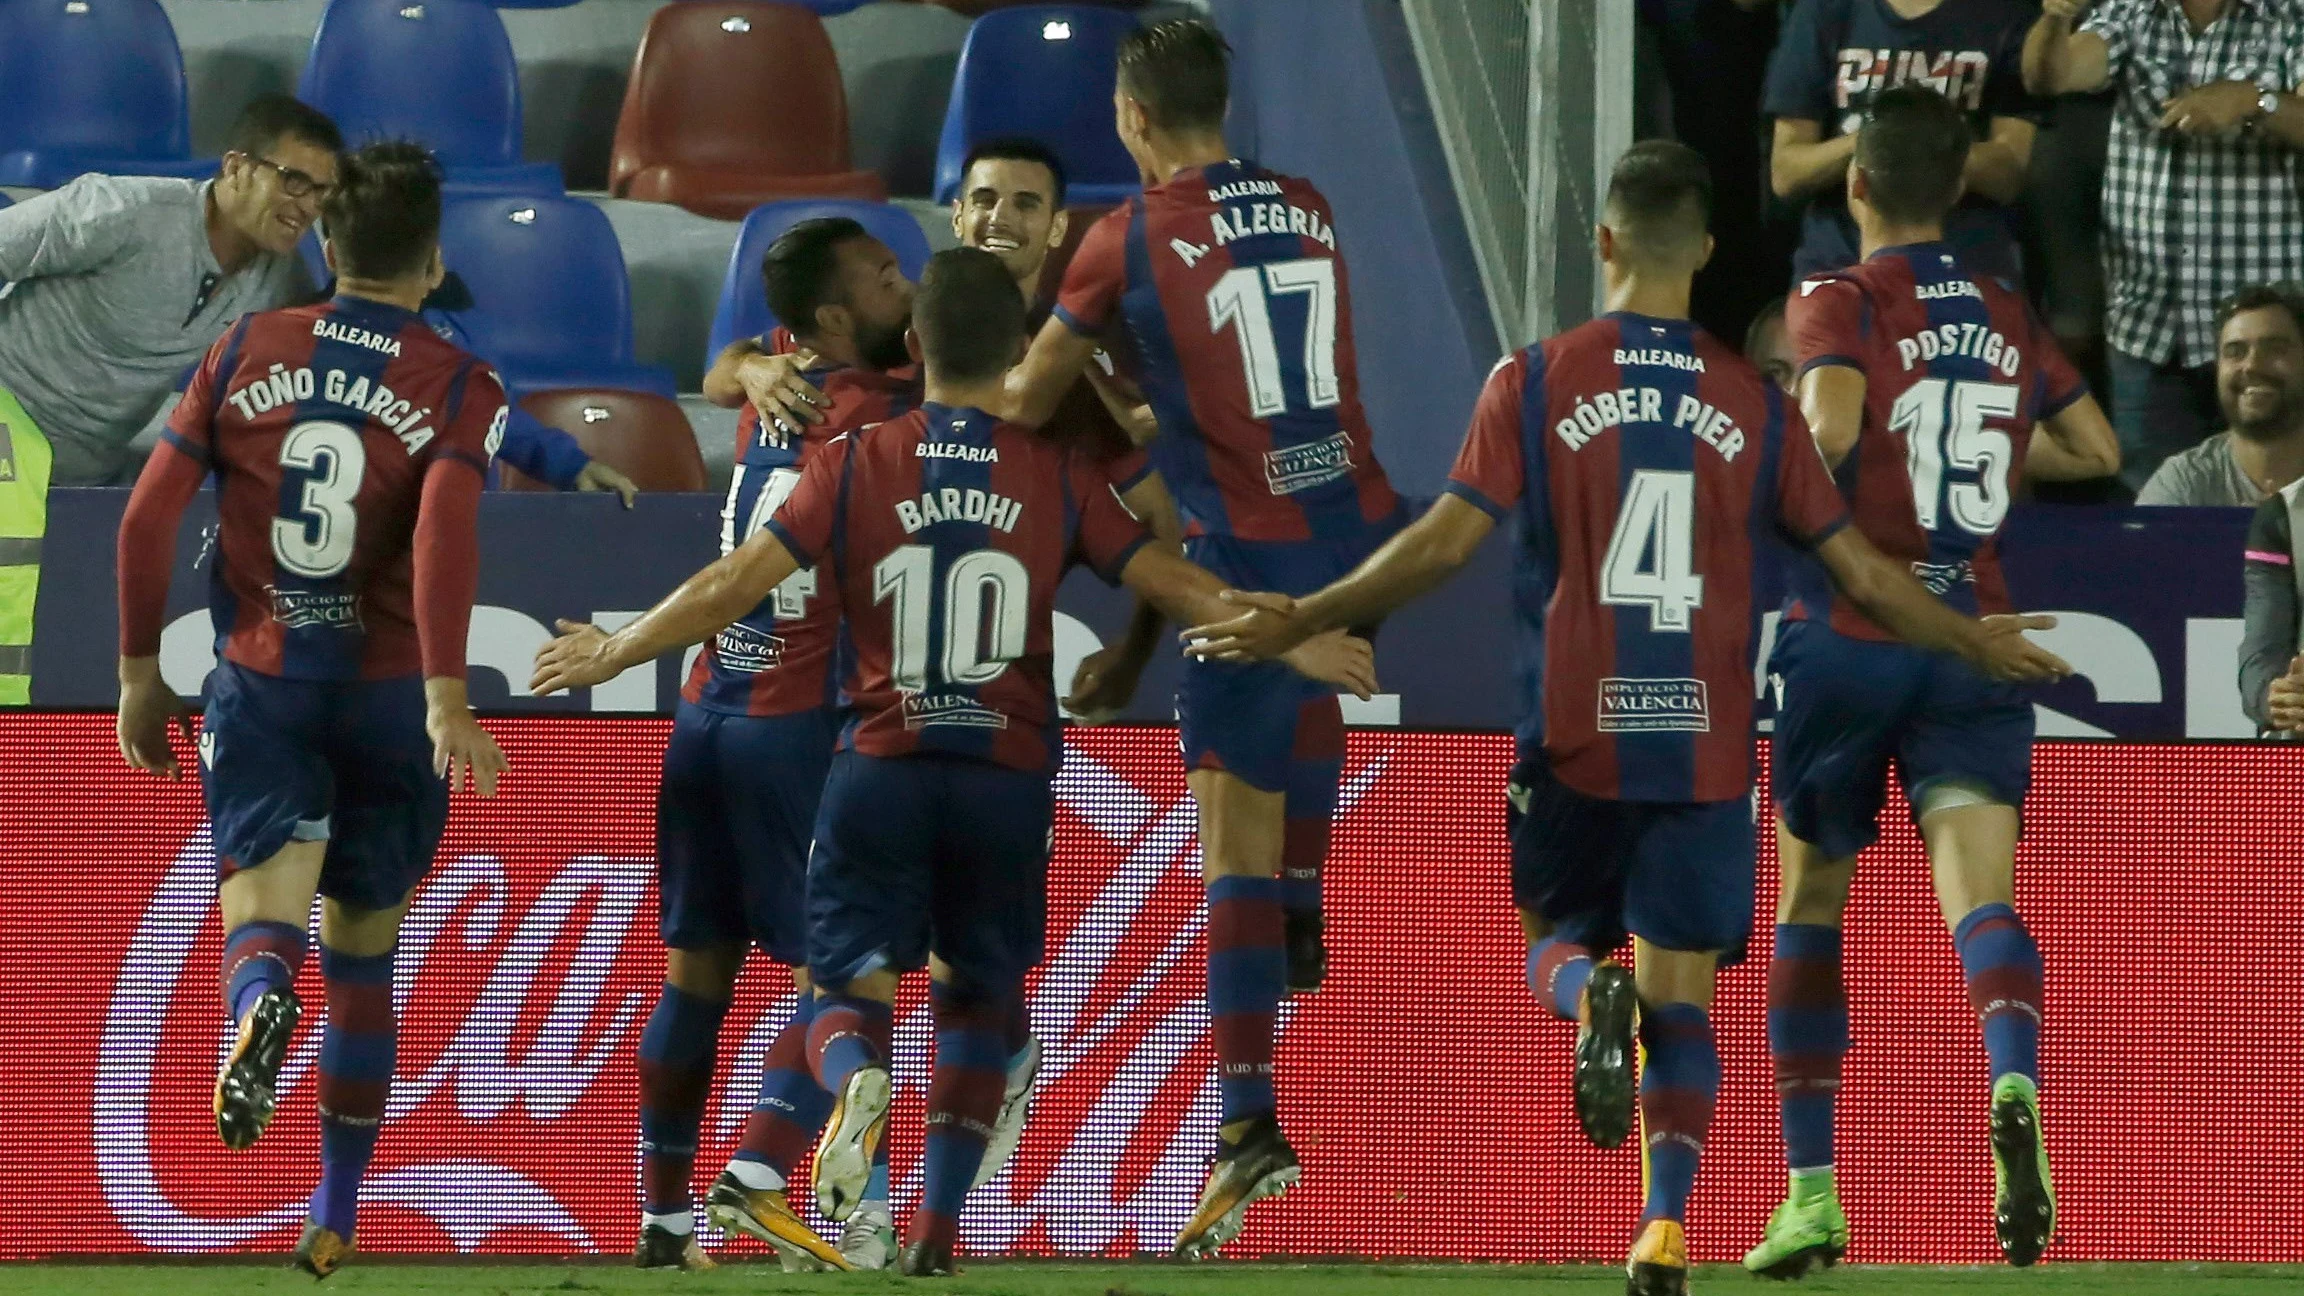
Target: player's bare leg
{"x": 678, "y": 1047}
{"x": 751, "y": 1195}
{"x": 1600, "y": 998}
{"x": 848, "y": 1047}
{"x": 1808, "y": 1039}
{"x": 358, "y": 1047}
{"x": 1241, "y": 832}
{"x": 1679, "y": 1088}
{"x": 1971, "y": 839}
{"x": 265, "y": 909}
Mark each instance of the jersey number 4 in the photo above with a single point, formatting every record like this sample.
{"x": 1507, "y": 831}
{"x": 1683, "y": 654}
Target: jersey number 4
{"x": 1242, "y": 300}
{"x": 315, "y": 541}
{"x": 792, "y": 596}
{"x": 1943, "y": 425}
{"x": 1651, "y": 556}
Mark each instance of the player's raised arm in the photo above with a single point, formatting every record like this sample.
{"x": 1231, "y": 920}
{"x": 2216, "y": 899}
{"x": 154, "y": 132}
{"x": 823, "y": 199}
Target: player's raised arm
{"x": 1036, "y": 386}
{"x": 446, "y": 579}
{"x": 1829, "y": 321}
{"x": 2061, "y": 60}
{"x": 1091, "y": 294}
{"x": 1903, "y": 606}
{"x": 1107, "y": 678}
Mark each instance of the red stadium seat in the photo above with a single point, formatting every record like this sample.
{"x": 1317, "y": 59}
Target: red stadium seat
{"x": 734, "y": 103}
{"x": 640, "y": 434}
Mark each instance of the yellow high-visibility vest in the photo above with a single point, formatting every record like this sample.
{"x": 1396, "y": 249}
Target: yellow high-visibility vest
{"x": 24, "y": 460}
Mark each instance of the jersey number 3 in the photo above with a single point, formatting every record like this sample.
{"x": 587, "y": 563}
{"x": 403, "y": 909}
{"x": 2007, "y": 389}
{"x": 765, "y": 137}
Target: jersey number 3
{"x": 1242, "y": 300}
{"x": 316, "y": 540}
{"x": 1652, "y": 556}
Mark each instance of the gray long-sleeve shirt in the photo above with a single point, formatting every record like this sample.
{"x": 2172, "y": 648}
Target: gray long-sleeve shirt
{"x": 113, "y": 293}
{"x": 2268, "y": 634}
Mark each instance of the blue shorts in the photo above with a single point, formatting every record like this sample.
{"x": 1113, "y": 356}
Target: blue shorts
{"x": 930, "y": 854}
{"x": 733, "y": 816}
{"x": 1677, "y": 874}
{"x": 344, "y": 762}
{"x": 1845, "y": 706}
{"x": 1243, "y": 718}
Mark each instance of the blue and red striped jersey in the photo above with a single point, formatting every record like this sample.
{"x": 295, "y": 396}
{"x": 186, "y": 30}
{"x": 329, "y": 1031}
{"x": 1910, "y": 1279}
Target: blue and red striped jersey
{"x": 1957, "y": 371}
{"x": 1646, "y": 463}
{"x": 777, "y": 658}
{"x": 1237, "y": 304}
{"x": 944, "y": 535}
{"x": 321, "y": 425}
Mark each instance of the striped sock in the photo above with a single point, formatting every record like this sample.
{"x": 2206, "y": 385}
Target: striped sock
{"x": 1247, "y": 975}
{"x": 1807, "y": 1038}
{"x": 259, "y": 956}
{"x": 963, "y": 1101}
{"x": 1678, "y": 1087}
{"x": 847, "y": 1034}
{"x": 1557, "y": 973}
{"x": 1315, "y": 767}
{"x": 791, "y": 1108}
{"x": 357, "y": 1052}
{"x": 2004, "y": 984}
{"x": 677, "y": 1049}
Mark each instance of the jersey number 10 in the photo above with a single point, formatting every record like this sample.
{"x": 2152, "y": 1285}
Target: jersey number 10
{"x": 1242, "y": 300}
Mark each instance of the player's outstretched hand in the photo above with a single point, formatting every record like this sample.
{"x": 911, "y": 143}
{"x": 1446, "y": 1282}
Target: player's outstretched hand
{"x": 1267, "y": 629}
{"x": 150, "y": 716}
{"x": 1105, "y": 684}
{"x": 458, "y": 744}
{"x": 1346, "y": 661}
{"x": 577, "y": 658}
{"x": 598, "y": 476}
{"x": 773, "y": 386}
{"x": 2284, "y": 701}
{"x": 2005, "y": 654}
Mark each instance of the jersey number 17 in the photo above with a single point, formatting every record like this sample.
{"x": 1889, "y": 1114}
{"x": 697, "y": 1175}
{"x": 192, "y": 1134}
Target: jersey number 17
{"x": 1242, "y": 301}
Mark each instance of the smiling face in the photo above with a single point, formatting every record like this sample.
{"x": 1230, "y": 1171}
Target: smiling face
{"x": 271, "y": 197}
{"x": 878, "y": 301}
{"x": 1007, "y": 207}
{"x": 2260, "y": 373}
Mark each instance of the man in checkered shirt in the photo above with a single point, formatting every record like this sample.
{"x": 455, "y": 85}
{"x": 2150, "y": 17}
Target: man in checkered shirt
{"x": 2201, "y": 194}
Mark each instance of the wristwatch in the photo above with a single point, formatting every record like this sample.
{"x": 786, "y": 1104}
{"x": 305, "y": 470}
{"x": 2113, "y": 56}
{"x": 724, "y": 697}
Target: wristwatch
{"x": 2267, "y": 103}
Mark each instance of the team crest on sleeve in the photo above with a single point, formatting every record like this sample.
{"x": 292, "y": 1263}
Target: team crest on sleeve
{"x": 496, "y": 430}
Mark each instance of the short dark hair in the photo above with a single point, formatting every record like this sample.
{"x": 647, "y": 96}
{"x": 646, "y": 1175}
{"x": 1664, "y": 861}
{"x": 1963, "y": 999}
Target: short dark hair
{"x": 1912, "y": 147}
{"x": 2271, "y": 296}
{"x": 1772, "y": 313}
{"x": 1181, "y": 71}
{"x": 801, "y": 270}
{"x": 270, "y": 118}
{"x": 1660, "y": 194}
{"x": 1017, "y": 148}
{"x": 968, "y": 313}
{"x": 384, "y": 214}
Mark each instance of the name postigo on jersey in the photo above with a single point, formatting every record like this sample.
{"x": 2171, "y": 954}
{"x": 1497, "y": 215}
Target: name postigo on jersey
{"x": 1967, "y": 341}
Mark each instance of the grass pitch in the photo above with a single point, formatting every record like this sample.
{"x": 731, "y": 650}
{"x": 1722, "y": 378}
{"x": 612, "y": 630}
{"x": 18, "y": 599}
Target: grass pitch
{"x": 1146, "y": 1279}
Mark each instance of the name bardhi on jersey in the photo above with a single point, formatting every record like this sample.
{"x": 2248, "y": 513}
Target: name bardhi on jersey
{"x": 281, "y": 385}
{"x": 1968, "y": 341}
{"x": 352, "y": 335}
{"x": 951, "y": 504}
{"x": 1598, "y": 413}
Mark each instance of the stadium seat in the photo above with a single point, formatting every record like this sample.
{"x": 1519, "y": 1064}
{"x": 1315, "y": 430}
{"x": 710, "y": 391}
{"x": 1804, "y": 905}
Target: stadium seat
{"x": 734, "y": 103}
{"x": 642, "y": 435}
{"x": 6, "y": 201}
{"x": 439, "y": 71}
{"x": 1044, "y": 71}
{"x": 743, "y": 310}
{"x": 92, "y": 85}
{"x": 551, "y": 304}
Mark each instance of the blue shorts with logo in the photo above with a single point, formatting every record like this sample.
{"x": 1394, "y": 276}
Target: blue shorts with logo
{"x": 733, "y": 816}
{"x": 1845, "y": 706}
{"x": 1243, "y": 718}
{"x": 344, "y": 762}
{"x": 1677, "y": 874}
{"x": 930, "y": 854}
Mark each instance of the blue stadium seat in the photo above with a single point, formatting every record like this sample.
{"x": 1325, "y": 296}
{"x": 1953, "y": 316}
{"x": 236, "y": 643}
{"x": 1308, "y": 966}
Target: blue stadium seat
{"x": 1044, "y": 71}
{"x": 743, "y": 310}
{"x": 6, "y": 201}
{"x": 438, "y": 71}
{"x": 92, "y": 85}
{"x": 551, "y": 304}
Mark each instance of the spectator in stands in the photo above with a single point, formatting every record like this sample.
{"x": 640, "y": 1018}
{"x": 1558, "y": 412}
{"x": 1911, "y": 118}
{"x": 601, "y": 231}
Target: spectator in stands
{"x": 1768, "y": 346}
{"x": 1835, "y": 56}
{"x": 2201, "y": 192}
{"x": 2271, "y": 672}
{"x": 2260, "y": 385}
{"x": 121, "y": 283}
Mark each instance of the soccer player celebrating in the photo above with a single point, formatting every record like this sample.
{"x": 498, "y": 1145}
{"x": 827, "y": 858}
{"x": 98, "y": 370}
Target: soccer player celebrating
{"x": 1227, "y": 279}
{"x": 348, "y": 444}
{"x": 943, "y": 535}
{"x": 743, "y": 771}
{"x": 1642, "y": 459}
{"x": 1925, "y": 386}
